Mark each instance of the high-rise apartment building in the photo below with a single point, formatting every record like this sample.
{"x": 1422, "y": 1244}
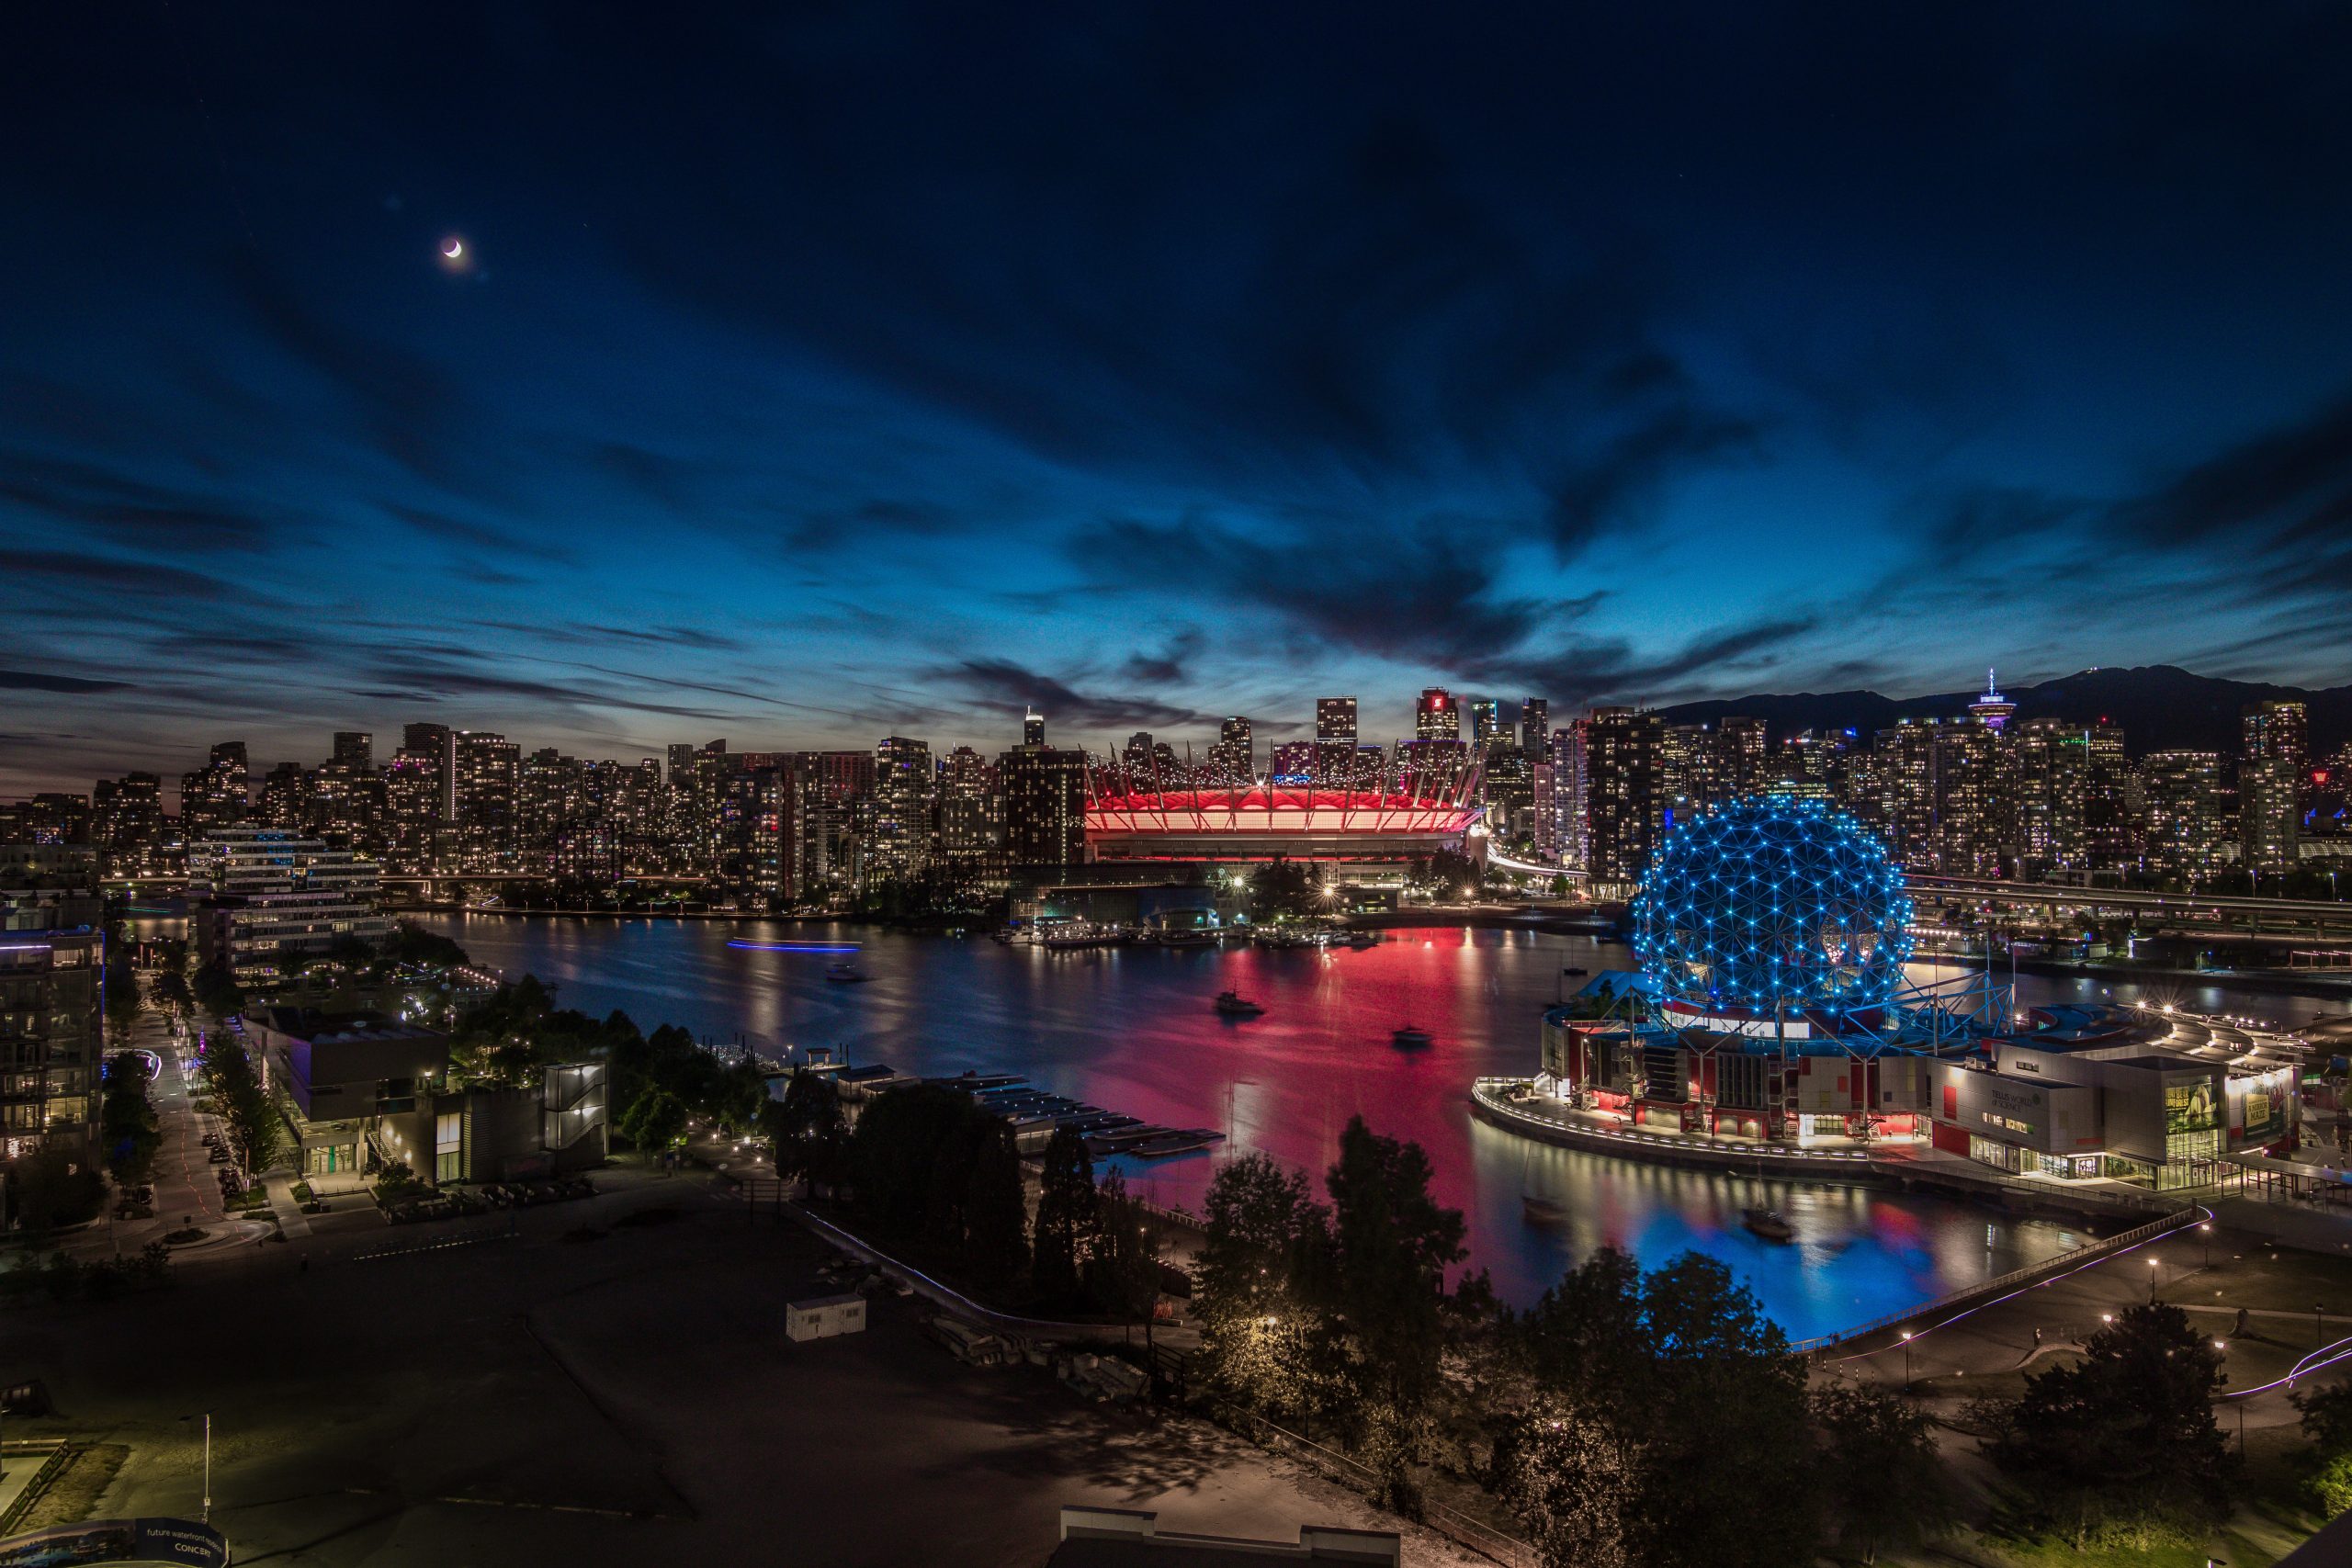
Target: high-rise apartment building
{"x": 1486, "y": 721}
{"x": 51, "y": 1028}
{"x": 2050, "y": 767}
{"x": 2182, "y": 796}
{"x": 127, "y": 824}
{"x": 1045, "y": 801}
{"x": 215, "y": 795}
{"x": 484, "y": 775}
{"x": 1624, "y": 793}
{"x": 1335, "y": 720}
{"x": 971, "y": 810}
{"x": 1437, "y": 717}
{"x": 902, "y": 808}
{"x": 1234, "y": 762}
{"x": 1534, "y": 726}
{"x": 355, "y": 749}
{"x": 2110, "y": 832}
{"x": 2270, "y": 784}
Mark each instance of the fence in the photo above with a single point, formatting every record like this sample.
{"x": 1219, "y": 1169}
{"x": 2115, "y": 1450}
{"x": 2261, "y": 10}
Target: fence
{"x": 2016, "y": 1277}
{"x": 1452, "y": 1523}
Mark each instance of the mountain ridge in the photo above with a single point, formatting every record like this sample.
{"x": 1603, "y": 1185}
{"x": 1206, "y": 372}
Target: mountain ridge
{"x": 2161, "y": 707}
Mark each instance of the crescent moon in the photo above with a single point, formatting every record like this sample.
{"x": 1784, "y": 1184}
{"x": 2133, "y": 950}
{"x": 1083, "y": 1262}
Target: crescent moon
{"x": 454, "y": 249}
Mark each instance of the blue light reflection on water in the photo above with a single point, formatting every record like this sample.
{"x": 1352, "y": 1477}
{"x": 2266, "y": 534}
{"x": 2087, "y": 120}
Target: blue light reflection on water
{"x": 1132, "y": 1029}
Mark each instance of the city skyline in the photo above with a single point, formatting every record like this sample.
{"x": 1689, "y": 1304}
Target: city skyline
{"x": 1149, "y": 376}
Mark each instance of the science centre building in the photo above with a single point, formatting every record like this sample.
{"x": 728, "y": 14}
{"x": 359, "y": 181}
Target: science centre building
{"x": 1775, "y": 1006}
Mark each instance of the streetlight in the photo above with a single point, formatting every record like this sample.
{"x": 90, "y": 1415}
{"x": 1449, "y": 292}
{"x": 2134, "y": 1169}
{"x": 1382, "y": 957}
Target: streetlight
{"x": 2319, "y": 1334}
{"x": 2205, "y": 1235}
{"x": 1906, "y": 1361}
{"x": 2155, "y": 1267}
{"x": 206, "y": 1515}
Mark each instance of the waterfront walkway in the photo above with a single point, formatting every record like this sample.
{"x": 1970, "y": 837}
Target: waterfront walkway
{"x": 1908, "y": 1162}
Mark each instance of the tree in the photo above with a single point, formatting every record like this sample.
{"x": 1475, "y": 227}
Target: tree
{"x": 1065, "y": 1232}
{"x": 1697, "y": 1388}
{"x": 1257, "y": 1220}
{"x": 1391, "y": 1244}
{"x": 655, "y": 1120}
{"x": 255, "y": 1130}
{"x": 171, "y": 988}
{"x": 129, "y": 1133}
{"x": 996, "y": 1211}
{"x": 2127, "y": 1435}
{"x": 122, "y": 994}
{"x": 805, "y": 1129}
{"x": 2327, "y": 1468}
{"x": 1887, "y": 1483}
{"x": 217, "y": 990}
{"x": 1282, "y": 887}
{"x": 1575, "y": 1480}
{"x": 49, "y": 1187}
{"x": 1123, "y": 1270}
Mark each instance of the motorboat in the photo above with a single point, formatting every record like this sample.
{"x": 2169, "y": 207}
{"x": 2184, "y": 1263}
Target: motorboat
{"x": 1188, "y": 936}
{"x": 1770, "y": 1224}
{"x": 1233, "y": 1004}
{"x": 1544, "y": 1210}
{"x": 1411, "y": 1038}
{"x": 844, "y": 973}
{"x": 1359, "y": 940}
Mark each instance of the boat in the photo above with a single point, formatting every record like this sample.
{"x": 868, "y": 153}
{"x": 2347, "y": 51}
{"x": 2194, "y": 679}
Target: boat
{"x": 1544, "y": 1210}
{"x": 1410, "y": 1038}
{"x": 1770, "y": 1224}
{"x": 1361, "y": 939}
{"x": 845, "y": 974}
{"x": 1233, "y": 1004}
{"x": 1188, "y": 936}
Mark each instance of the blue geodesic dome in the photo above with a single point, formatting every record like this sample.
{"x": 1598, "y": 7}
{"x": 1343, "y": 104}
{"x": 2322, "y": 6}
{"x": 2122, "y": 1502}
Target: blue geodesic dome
{"x": 1773, "y": 901}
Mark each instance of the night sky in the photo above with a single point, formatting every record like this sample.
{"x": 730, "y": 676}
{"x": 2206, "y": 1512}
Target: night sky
{"x": 858, "y": 369}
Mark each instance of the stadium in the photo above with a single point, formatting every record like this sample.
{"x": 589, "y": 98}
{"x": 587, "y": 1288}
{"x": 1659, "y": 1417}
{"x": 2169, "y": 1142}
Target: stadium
{"x": 1266, "y": 820}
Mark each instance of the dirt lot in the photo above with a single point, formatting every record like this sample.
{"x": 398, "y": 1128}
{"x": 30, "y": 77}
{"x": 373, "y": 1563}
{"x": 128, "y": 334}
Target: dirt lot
{"x": 629, "y": 1399}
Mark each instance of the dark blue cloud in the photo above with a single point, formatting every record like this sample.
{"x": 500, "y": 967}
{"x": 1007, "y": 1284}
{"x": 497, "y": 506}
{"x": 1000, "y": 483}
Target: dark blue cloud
{"x": 832, "y": 370}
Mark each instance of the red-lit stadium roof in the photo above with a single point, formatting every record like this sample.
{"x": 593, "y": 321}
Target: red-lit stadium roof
{"x": 1271, "y": 819}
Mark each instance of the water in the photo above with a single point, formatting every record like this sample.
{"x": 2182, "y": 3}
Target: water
{"x": 1131, "y": 1030}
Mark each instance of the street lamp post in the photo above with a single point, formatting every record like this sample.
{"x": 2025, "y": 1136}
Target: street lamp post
{"x": 2319, "y": 1331}
{"x": 2205, "y": 1239}
{"x": 205, "y": 1516}
{"x": 2155, "y": 1267}
{"x": 1906, "y": 1361}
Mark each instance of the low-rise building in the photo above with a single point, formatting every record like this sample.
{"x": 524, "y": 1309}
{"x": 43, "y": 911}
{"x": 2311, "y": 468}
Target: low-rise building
{"x": 271, "y": 896}
{"x": 363, "y": 1091}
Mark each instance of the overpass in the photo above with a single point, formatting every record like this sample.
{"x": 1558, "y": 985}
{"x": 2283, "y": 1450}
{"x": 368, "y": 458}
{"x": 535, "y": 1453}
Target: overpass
{"x": 2319, "y": 916}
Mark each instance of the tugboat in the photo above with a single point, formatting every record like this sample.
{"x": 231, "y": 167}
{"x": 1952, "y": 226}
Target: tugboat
{"x": 1233, "y": 1004}
{"x": 1770, "y": 1224}
{"x": 1412, "y": 1039}
{"x": 844, "y": 973}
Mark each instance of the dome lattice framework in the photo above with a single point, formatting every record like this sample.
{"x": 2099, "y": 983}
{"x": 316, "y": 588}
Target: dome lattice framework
{"x": 1774, "y": 902}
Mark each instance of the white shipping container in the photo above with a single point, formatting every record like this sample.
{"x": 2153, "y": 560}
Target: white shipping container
{"x": 824, "y": 1316}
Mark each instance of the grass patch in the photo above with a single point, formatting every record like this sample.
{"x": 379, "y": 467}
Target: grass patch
{"x": 73, "y": 1494}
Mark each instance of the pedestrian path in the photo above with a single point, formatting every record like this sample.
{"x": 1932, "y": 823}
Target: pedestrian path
{"x": 291, "y": 1220}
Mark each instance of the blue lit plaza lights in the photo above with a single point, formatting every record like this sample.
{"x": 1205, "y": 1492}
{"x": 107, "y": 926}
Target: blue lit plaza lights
{"x": 1773, "y": 902}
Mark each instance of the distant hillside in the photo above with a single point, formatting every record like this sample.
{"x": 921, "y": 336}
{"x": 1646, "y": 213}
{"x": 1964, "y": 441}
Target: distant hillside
{"x": 2160, "y": 707}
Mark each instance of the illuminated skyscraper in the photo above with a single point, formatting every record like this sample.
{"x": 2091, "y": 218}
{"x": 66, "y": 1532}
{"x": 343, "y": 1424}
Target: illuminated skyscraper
{"x": 902, "y": 797}
{"x": 2270, "y": 783}
{"x": 2051, "y": 769}
{"x": 2183, "y": 792}
{"x": 1534, "y": 726}
{"x": 1437, "y": 717}
{"x": 1045, "y": 801}
{"x": 1624, "y": 793}
{"x": 1485, "y": 720}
